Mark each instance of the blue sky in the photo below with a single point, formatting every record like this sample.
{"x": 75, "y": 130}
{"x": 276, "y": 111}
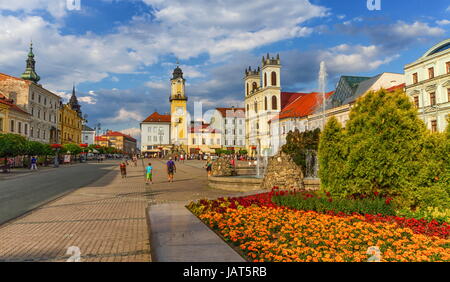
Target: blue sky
{"x": 120, "y": 53}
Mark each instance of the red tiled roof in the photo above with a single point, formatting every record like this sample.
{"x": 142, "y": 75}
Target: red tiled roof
{"x": 4, "y": 76}
{"x": 156, "y": 117}
{"x": 232, "y": 112}
{"x": 396, "y": 87}
{"x": 204, "y": 128}
{"x": 101, "y": 138}
{"x": 11, "y": 104}
{"x": 289, "y": 97}
{"x": 117, "y": 133}
{"x": 303, "y": 106}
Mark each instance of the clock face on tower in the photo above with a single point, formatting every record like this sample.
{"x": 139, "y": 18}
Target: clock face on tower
{"x": 179, "y": 111}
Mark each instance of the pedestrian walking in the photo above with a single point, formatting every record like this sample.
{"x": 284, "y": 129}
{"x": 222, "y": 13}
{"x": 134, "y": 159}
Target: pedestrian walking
{"x": 171, "y": 169}
{"x": 33, "y": 163}
{"x": 149, "y": 174}
{"x": 208, "y": 166}
{"x": 123, "y": 169}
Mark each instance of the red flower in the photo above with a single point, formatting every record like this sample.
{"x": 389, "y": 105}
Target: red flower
{"x": 376, "y": 193}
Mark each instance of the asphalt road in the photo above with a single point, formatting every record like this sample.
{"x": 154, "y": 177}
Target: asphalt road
{"x": 25, "y": 193}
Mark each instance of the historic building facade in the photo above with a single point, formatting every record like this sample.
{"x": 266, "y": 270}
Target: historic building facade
{"x": 88, "y": 135}
{"x": 155, "y": 133}
{"x": 31, "y": 97}
{"x": 70, "y": 121}
{"x": 428, "y": 85}
{"x": 117, "y": 140}
{"x": 231, "y": 123}
{"x": 262, "y": 102}
{"x": 12, "y": 118}
{"x": 178, "y": 109}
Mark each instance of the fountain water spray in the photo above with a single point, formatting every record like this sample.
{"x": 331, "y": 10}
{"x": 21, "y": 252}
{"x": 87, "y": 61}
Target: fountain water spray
{"x": 322, "y": 85}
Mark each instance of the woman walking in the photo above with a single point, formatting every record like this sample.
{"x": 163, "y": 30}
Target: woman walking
{"x": 123, "y": 169}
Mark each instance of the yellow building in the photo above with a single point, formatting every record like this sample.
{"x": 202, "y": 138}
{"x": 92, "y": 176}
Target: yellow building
{"x": 179, "y": 116}
{"x": 12, "y": 118}
{"x": 70, "y": 121}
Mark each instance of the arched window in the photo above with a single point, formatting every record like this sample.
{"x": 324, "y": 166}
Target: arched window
{"x": 265, "y": 103}
{"x": 274, "y": 78}
{"x": 255, "y": 86}
{"x": 274, "y": 103}
{"x": 248, "y": 108}
{"x": 265, "y": 79}
{"x": 256, "y": 107}
{"x": 247, "y": 89}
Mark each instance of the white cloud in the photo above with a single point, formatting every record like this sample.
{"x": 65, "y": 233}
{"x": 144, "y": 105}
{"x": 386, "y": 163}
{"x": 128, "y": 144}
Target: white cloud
{"x": 87, "y": 100}
{"x": 134, "y": 132}
{"x": 123, "y": 116}
{"x": 417, "y": 29}
{"x": 443, "y": 22}
{"x": 57, "y": 8}
{"x": 157, "y": 85}
{"x": 91, "y": 92}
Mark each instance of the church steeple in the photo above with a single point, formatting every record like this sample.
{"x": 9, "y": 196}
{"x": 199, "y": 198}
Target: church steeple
{"x": 30, "y": 72}
{"x": 73, "y": 102}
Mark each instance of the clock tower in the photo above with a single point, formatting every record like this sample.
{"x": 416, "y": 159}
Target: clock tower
{"x": 178, "y": 101}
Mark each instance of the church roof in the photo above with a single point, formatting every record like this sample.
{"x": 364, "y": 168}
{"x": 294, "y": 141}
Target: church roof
{"x": 303, "y": 106}
{"x": 156, "y": 117}
{"x": 289, "y": 97}
{"x": 30, "y": 72}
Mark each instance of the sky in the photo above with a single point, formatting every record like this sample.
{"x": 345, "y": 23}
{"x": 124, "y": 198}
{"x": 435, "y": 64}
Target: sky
{"x": 120, "y": 54}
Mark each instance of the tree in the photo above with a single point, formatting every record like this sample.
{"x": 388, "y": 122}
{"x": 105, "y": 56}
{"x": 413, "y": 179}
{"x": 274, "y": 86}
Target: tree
{"x": 34, "y": 148}
{"x": 12, "y": 145}
{"x": 299, "y": 144}
{"x": 74, "y": 149}
{"x": 384, "y": 136}
{"x": 332, "y": 155}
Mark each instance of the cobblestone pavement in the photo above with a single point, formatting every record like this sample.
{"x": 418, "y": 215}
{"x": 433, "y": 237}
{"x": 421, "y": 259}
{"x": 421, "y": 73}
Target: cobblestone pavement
{"x": 105, "y": 220}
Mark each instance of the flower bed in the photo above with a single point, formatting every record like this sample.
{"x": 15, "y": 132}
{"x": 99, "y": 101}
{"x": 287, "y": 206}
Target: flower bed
{"x": 285, "y": 235}
{"x": 265, "y": 231}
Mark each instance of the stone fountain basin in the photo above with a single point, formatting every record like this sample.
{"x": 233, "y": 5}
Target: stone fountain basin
{"x": 241, "y": 183}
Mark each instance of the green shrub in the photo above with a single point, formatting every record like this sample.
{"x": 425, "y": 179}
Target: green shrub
{"x": 308, "y": 201}
{"x": 385, "y": 148}
{"x": 299, "y": 143}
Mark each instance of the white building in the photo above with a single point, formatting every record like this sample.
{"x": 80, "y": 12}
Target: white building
{"x": 231, "y": 123}
{"x": 428, "y": 85}
{"x": 87, "y": 135}
{"x": 155, "y": 132}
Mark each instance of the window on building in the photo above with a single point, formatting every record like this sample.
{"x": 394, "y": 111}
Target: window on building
{"x": 256, "y": 107}
{"x": 265, "y": 103}
{"x": 39, "y": 98}
{"x": 432, "y": 98}
{"x": 247, "y": 89}
{"x": 273, "y": 78}
{"x": 218, "y": 141}
{"x": 32, "y": 96}
{"x": 240, "y": 131}
{"x": 193, "y": 140}
{"x": 416, "y": 101}
{"x": 254, "y": 86}
{"x": 43, "y": 135}
{"x": 274, "y": 103}
{"x": 447, "y": 65}
{"x": 11, "y": 127}
{"x": 31, "y": 132}
{"x": 248, "y": 108}
{"x": 19, "y": 127}
{"x": 45, "y": 101}
{"x": 434, "y": 125}
{"x": 415, "y": 78}
{"x": 226, "y": 142}
{"x": 265, "y": 79}
{"x": 226, "y": 121}
{"x": 431, "y": 73}
{"x": 203, "y": 141}
{"x": 1, "y": 124}
{"x": 155, "y": 139}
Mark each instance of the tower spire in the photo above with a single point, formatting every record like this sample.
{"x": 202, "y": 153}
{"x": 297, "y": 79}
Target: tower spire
{"x": 30, "y": 71}
{"x": 73, "y": 102}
